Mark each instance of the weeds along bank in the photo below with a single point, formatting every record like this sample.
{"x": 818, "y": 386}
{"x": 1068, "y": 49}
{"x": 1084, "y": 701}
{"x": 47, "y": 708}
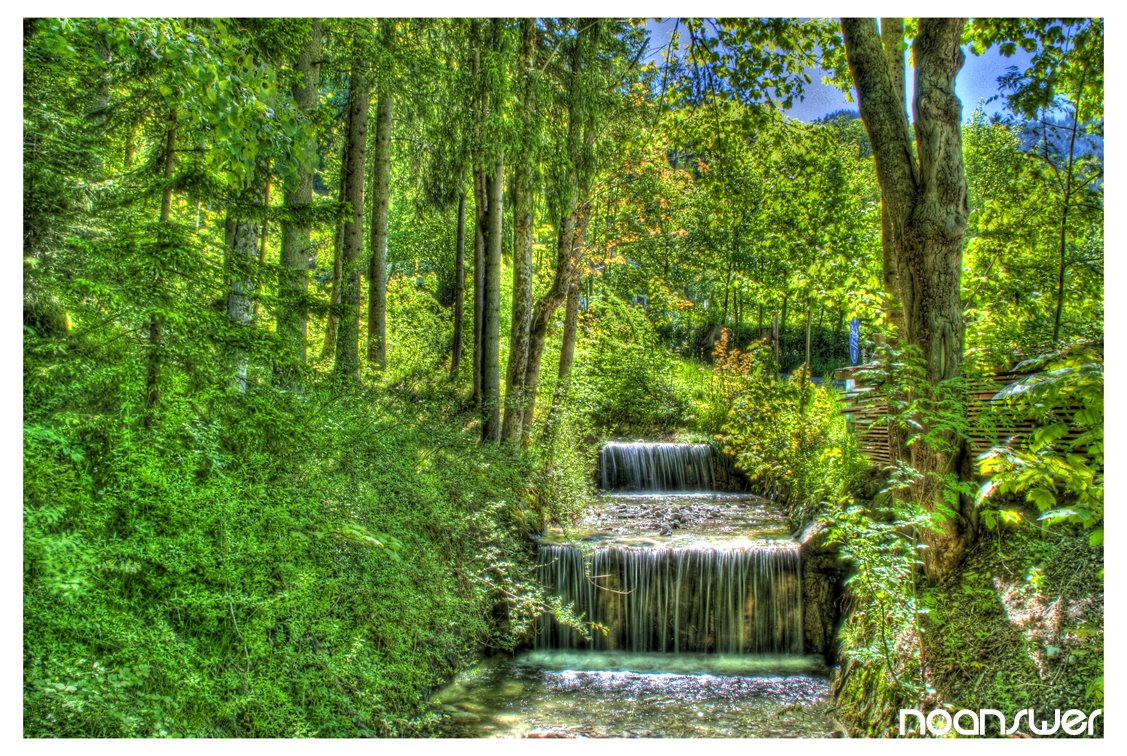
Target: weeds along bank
{"x": 283, "y": 564}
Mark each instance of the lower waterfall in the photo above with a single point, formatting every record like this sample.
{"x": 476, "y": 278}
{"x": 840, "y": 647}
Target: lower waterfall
{"x": 699, "y": 599}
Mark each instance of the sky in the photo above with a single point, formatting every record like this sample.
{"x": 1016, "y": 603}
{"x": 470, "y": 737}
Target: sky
{"x": 974, "y": 85}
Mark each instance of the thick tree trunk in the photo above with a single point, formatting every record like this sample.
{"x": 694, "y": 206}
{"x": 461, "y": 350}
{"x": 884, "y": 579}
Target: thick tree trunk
{"x": 347, "y": 363}
{"x": 459, "y": 286}
{"x": 923, "y": 194}
{"x": 491, "y": 363}
{"x": 293, "y": 277}
{"x": 377, "y": 269}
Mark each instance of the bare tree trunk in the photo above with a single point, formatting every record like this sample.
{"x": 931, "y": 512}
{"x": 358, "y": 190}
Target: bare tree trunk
{"x": 293, "y": 277}
{"x": 923, "y": 192}
{"x": 567, "y": 347}
{"x": 480, "y": 202}
{"x": 523, "y": 198}
{"x": 377, "y": 270}
{"x": 459, "y": 286}
{"x": 242, "y": 233}
{"x": 333, "y": 321}
{"x": 347, "y": 363}
{"x": 491, "y": 364}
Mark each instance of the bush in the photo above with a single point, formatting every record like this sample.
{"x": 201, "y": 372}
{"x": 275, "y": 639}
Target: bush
{"x": 624, "y": 383}
{"x": 269, "y": 567}
{"x": 788, "y": 435}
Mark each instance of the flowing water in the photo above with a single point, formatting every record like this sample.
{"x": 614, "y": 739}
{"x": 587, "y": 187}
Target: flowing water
{"x": 690, "y": 602}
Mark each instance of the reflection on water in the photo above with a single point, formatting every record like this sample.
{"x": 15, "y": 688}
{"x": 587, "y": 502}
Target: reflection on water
{"x": 568, "y": 694}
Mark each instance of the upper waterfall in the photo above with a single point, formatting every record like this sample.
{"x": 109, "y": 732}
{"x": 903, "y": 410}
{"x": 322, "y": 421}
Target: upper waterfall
{"x": 641, "y": 466}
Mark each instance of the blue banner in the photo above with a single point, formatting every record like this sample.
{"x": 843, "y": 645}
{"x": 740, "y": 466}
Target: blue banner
{"x": 854, "y": 341}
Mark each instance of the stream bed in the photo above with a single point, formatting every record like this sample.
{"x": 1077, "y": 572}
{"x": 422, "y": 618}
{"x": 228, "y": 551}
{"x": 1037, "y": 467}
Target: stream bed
{"x": 686, "y": 618}
{"x": 567, "y": 694}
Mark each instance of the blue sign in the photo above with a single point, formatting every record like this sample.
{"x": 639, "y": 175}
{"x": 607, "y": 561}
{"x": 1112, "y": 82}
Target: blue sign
{"x": 854, "y": 341}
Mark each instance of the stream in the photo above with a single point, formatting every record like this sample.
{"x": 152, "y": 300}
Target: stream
{"x": 691, "y": 608}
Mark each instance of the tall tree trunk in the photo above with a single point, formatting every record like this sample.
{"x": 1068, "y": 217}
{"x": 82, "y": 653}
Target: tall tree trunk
{"x": 481, "y": 202}
{"x": 332, "y": 323}
{"x": 490, "y": 360}
{"x": 377, "y": 270}
{"x": 923, "y": 193}
{"x": 347, "y": 363}
{"x": 459, "y": 286}
{"x": 523, "y": 201}
{"x": 242, "y": 247}
{"x": 567, "y": 347}
{"x": 293, "y": 275}
{"x": 156, "y": 326}
{"x": 543, "y": 314}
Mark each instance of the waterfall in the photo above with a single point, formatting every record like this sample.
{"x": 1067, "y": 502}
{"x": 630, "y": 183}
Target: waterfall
{"x": 656, "y": 467}
{"x": 722, "y": 600}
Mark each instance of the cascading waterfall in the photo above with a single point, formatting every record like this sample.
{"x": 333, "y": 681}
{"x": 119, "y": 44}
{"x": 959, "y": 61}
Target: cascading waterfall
{"x": 656, "y": 467}
{"x": 700, "y": 598}
{"x": 745, "y": 600}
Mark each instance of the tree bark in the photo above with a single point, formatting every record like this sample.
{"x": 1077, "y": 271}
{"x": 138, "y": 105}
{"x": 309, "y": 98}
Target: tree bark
{"x": 459, "y": 286}
{"x": 480, "y": 209}
{"x": 242, "y": 247}
{"x": 293, "y": 277}
{"x": 567, "y": 347}
{"x": 923, "y": 193}
{"x": 491, "y": 366}
{"x": 523, "y": 200}
{"x": 377, "y": 270}
{"x": 333, "y": 321}
{"x": 347, "y": 363}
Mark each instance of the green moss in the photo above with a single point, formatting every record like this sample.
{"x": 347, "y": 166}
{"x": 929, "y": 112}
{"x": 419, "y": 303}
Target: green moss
{"x": 1020, "y": 624}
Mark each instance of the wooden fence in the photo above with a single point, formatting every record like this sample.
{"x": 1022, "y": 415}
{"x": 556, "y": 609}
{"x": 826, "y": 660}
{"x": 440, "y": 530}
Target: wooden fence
{"x": 866, "y": 413}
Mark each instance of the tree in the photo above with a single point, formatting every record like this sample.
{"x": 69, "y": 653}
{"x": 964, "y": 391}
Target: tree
{"x": 377, "y": 271}
{"x": 923, "y": 194}
{"x": 524, "y": 198}
{"x": 565, "y": 204}
{"x": 347, "y": 363}
{"x": 1061, "y": 95}
{"x": 293, "y": 278}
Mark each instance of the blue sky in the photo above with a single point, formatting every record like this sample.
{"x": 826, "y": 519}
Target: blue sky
{"x": 976, "y": 83}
